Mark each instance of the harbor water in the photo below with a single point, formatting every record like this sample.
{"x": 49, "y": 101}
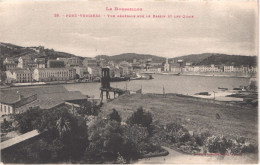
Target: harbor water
{"x": 188, "y": 85}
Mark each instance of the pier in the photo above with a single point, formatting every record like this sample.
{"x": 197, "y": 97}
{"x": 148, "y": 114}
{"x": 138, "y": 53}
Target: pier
{"x": 105, "y": 86}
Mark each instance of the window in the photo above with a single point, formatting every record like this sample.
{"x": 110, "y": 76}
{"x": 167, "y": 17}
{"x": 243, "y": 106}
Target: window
{"x": 8, "y": 109}
{"x": 5, "y": 108}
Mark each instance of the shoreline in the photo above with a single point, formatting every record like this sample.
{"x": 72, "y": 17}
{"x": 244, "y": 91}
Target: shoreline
{"x": 205, "y": 75}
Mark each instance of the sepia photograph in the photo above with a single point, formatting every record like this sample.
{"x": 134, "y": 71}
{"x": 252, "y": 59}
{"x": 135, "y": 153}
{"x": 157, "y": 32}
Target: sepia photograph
{"x": 129, "y": 82}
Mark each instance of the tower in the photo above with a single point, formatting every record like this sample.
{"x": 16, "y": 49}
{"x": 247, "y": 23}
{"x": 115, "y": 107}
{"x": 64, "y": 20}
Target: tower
{"x": 105, "y": 83}
{"x": 105, "y": 80}
{"x": 166, "y": 66}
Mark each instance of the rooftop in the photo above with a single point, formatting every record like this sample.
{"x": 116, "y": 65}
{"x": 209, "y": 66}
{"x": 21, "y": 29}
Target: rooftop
{"x": 10, "y": 96}
{"x": 47, "y": 97}
{"x": 19, "y": 139}
{"x": 48, "y": 69}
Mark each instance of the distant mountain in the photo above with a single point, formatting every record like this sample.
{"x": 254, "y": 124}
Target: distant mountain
{"x": 229, "y": 60}
{"x": 218, "y": 59}
{"x": 11, "y": 50}
{"x": 193, "y": 58}
{"x": 129, "y": 57}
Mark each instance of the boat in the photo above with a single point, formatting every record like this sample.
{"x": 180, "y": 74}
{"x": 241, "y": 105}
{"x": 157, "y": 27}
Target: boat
{"x": 142, "y": 77}
{"x": 222, "y": 88}
{"x": 175, "y": 74}
{"x": 203, "y": 93}
{"x": 116, "y": 79}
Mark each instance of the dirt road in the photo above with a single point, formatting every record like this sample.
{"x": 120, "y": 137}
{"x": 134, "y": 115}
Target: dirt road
{"x": 175, "y": 157}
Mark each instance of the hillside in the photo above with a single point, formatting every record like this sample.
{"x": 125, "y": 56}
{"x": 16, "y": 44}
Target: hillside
{"x": 193, "y": 58}
{"x": 129, "y": 57}
{"x": 218, "y": 59}
{"x": 11, "y": 50}
{"x": 229, "y": 60}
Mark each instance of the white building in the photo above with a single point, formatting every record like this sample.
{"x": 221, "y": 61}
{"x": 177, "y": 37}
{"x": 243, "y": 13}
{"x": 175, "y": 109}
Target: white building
{"x": 228, "y": 68}
{"x": 54, "y": 74}
{"x": 82, "y": 72}
{"x": 19, "y": 76}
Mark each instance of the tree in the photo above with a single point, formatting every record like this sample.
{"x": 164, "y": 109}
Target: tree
{"x": 27, "y": 121}
{"x": 89, "y": 108}
{"x": 107, "y": 139}
{"x": 141, "y": 118}
{"x": 63, "y": 126}
{"x": 115, "y": 116}
{"x": 65, "y": 136}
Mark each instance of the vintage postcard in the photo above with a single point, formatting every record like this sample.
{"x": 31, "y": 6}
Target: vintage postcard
{"x": 129, "y": 82}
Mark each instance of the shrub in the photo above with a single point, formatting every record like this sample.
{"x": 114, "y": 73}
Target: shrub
{"x": 200, "y": 138}
{"x": 140, "y": 117}
{"x": 250, "y": 148}
{"x": 115, "y": 116}
{"x": 177, "y": 133}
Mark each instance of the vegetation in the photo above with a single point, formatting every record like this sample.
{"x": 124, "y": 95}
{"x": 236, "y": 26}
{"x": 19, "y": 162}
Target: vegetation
{"x": 140, "y": 117}
{"x": 180, "y": 138}
{"x": 193, "y": 130}
{"x": 199, "y": 116}
{"x": 89, "y": 108}
{"x": 113, "y": 142}
{"x": 29, "y": 120}
{"x": 106, "y": 141}
{"x": 66, "y": 137}
{"x": 91, "y": 138}
{"x": 115, "y": 116}
{"x": 6, "y": 126}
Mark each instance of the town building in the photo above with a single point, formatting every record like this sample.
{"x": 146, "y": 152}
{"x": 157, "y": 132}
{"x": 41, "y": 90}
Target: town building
{"x": 154, "y": 69}
{"x": 176, "y": 68}
{"x": 10, "y": 60}
{"x": 125, "y": 63}
{"x": 228, "y": 68}
{"x": 114, "y": 72}
{"x": 30, "y": 62}
{"x": 9, "y": 66}
{"x": 55, "y": 64}
{"x": 72, "y": 61}
{"x": 125, "y": 68}
{"x": 10, "y": 101}
{"x": 24, "y": 61}
{"x": 13, "y": 101}
{"x": 94, "y": 71}
{"x": 90, "y": 62}
{"x": 156, "y": 63}
{"x": 252, "y": 70}
{"x": 19, "y": 76}
{"x": 54, "y": 74}
{"x": 82, "y": 72}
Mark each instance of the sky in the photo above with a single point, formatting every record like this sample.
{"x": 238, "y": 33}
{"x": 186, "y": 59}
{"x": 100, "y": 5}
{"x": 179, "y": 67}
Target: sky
{"x": 216, "y": 27}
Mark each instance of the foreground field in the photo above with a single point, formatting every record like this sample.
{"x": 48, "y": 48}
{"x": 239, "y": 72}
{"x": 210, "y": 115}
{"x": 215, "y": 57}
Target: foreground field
{"x": 195, "y": 116}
